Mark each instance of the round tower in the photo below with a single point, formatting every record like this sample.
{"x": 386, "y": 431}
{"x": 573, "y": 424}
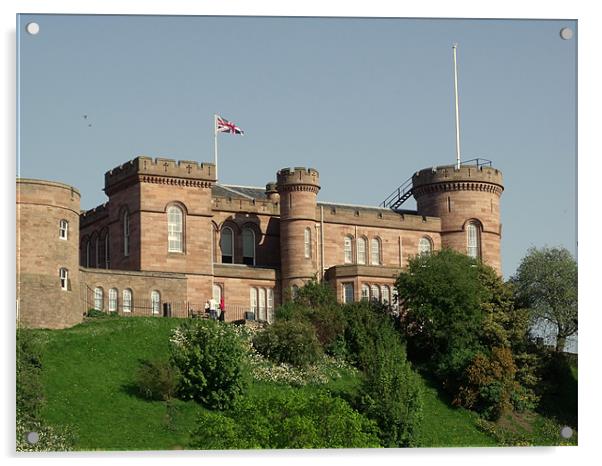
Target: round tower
{"x": 467, "y": 200}
{"x": 48, "y": 292}
{"x": 298, "y": 189}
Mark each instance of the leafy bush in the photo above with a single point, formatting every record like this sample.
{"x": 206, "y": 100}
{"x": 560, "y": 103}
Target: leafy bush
{"x": 212, "y": 361}
{"x": 289, "y": 341}
{"x": 29, "y": 395}
{"x": 97, "y": 313}
{"x": 391, "y": 393}
{"x": 157, "y": 380}
{"x": 291, "y": 419}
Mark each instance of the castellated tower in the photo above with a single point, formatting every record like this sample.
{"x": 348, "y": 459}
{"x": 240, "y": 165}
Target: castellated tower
{"x": 298, "y": 189}
{"x": 468, "y": 202}
{"x": 48, "y": 290}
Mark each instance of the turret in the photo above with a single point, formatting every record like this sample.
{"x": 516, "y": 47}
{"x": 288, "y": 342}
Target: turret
{"x": 468, "y": 202}
{"x": 298, "y": 189}
{"x": 271, "y": 191}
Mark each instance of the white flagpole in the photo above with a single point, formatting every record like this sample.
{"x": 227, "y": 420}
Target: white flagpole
{"x": 215, "y": 143}
{"x": 454, "y": 47}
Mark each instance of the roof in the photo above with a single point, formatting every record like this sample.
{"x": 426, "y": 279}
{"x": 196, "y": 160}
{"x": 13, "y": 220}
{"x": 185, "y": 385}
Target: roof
{"x": 238, "y": 192}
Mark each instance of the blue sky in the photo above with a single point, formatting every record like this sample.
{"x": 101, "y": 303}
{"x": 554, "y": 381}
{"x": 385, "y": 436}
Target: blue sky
{"x": 365, "y": 101}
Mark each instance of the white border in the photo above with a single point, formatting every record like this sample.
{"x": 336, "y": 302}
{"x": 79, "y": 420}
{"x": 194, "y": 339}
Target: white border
{"x": 589, "y": 166}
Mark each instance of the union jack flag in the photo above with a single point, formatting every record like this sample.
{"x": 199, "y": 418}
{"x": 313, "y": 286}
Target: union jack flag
{"x": 224, "y": 126}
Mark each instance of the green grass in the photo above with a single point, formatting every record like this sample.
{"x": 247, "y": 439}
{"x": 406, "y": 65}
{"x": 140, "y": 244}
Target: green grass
{"x": 88, "y": 371}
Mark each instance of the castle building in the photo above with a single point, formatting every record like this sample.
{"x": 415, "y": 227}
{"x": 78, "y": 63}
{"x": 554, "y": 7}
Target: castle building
{"x": 170, "y": 237}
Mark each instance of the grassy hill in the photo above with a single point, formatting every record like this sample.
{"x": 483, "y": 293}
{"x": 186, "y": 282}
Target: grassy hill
{"x": 88, "y": 374}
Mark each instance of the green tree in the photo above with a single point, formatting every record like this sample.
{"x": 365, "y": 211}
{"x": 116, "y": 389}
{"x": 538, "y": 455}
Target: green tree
{"x": 546, "y": 283}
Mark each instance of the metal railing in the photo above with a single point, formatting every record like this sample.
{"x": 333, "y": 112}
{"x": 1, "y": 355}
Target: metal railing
{"x": 399, "y": 196}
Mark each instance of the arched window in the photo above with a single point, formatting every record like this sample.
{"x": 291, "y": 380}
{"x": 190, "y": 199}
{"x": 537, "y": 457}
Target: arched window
{"x": 384, "y": 292}
{"x": 93, "y": 255}
{"x": 307, "y": 242}
{"x": 348, "y": 250}
{"x": 254, "y": 301}
{"x": 217, "y": 293}
{"x": 175, "y": 240}
{"x": 473, "y": 243}
{"x": 375, "y": 251}
{"x": 227, "y": 245}
{"x": 348, "y": 294}
{"x": 425, "y": 246}
{"x": 270, "y": 305}
{"x": 365, "y": 292}
{"x": 375, "y": 293}
{"x": 262, "y": 302}
{"x": 63, "y": 229}
{"x": 113, "y": 300}
{"x": 361, "y": 250}
{"x": 155, "y": 302}
{"x": 248, "y": 247}
{"x": 64, "y": 278}
{"x": 98, "y": 299}
{"x": 127, "y": 300}
{"x": 126, "y": 233}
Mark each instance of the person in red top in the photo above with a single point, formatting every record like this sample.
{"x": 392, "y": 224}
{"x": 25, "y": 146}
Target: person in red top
{"x": 222, "y": 308}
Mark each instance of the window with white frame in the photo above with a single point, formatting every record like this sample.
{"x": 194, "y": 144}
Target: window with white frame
{"x": 253, "y": 301}
{"x": 348, "y": 295}
{"x": 155, "y": 302}
{"x": 226, "y": 243}
{"x": 175, "y": 240}
{"x": 63, "y": 229}
{"x": 126, "y": 233}
{"x": 307, "y": 242}
{"x": 472, "y": 240}
{"x": 361, "y": 250}
{"x": 113, "y": 300}
{"x": 425, "y": 246}
{"x": 384, "y": 293}
{"x": 98, "y": 299}
{"x": 365, "y": 292}
{"x": 348, "y": 246}
{"x": 270, "y": 305}
{"x": 375, "y": 293}
{"x": 64, "y": 278}
{"x": 262, "y": 304}
{"x": 375, "y": 251}
{"x": 217, "y": 293}
{"x": 127, "y": 300}
{"x": 248, "y": 246}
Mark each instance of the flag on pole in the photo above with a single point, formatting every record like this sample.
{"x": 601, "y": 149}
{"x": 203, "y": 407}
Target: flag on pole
{"x": 224, "y": 126}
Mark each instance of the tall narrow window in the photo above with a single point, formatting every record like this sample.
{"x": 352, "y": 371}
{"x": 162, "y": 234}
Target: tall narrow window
{"x": 254, "y": 300}
{"x": 107, "y": 254}
{"x": 93, "y": 251}
{"x": 226, "y": 243}
{"x": 126, "y": 233}
{"x": 64, "y": 278}
{"x": 174, "y": 229}
{"x": 348, "y": 250}
{"x": 97, "y": 252}
{"x": 113, "y": 300}
{"x": 63, "y": 229}
{"x": 361, "y": 250}
{"x": 88, "y": 253}
{"x": 262, "y": 302}
{"x": 127, "y": 300}
{"x": 270, "y": 305}
{"x": 348, "y": 292}
{"x": 307, "y": 242}
{"x": 102, "y": 254}
{"x": 365, "y": 292}
{"x": 425, "y": 246}
{"x": 155, "y": 302}
{"x": 248, "y": 247}
{"x": 375, "y": 291}
{"x": 472, "y": 240}
{"x": 217, "y": 293}
{"x": 384, "y": 293}
{"x": 98, "y": 299}
{"x": 375, "y": 251}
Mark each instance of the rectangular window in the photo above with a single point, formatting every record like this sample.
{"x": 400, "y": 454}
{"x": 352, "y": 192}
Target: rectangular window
{"x": 375, "y": 251}
{"x": 64, "y": 276}
{"x": 348, "y": 292}
{"x": 262, "y": 314}
{"x": 365, "y": 292}
{"x": 254, "y": 300}
{"x": 348, "y": 251}
{"x": 361, "y": 251}
{"x": 307, "y": 243}
{"x": 63, "y": 229}
{"x": 270, "y": 305}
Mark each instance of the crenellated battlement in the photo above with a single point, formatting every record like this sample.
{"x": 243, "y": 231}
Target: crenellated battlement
{"x": 159, "y": 170}
{"x": 298, "y": 179}
{"x": 450, "y": 178}
{"x": 255, "y": 206}
{"x": 88, "y": 217}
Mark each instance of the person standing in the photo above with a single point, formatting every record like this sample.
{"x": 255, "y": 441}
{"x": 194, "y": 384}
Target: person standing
{"x": 213, "y": 308}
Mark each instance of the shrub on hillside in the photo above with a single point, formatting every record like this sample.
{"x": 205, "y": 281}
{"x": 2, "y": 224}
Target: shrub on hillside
{"x": 212, "y": 362}
{"x": 29, "y": 395}
{"x": 157, "y": 380}
{"x": 286, "y": 419}
{"x": 289, "y": 341}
